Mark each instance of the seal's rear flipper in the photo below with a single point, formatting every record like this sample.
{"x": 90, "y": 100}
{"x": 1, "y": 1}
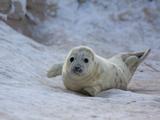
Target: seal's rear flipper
{"x": 142, "y": 55}
{"x": 132, "y": 60}
{"x": 55, "y": 70}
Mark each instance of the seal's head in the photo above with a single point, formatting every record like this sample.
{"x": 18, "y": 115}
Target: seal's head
{"x": 80, "y": 61}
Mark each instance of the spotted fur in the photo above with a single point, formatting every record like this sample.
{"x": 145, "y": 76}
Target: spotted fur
{"x": 99, "y": 74}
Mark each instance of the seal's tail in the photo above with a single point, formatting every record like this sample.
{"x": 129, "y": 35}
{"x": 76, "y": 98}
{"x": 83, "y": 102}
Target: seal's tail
{"x": 133, "y": 60}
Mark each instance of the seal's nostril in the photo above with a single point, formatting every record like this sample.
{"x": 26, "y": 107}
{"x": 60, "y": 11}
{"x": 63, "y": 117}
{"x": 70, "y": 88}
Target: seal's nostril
{"x": 77, "y": 68}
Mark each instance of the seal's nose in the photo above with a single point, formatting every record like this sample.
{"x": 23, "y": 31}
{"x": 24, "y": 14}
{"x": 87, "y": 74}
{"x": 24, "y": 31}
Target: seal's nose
{"x": 77, "y": 69}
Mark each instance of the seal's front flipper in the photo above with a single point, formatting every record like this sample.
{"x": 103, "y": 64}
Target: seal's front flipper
{"x": 132, "y": 60}
{"x": 55, "y": 70}
{"x": 91, "y": 91}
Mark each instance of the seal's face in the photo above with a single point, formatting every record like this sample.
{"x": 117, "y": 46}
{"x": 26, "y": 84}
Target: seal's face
{"x": 80, "y": 62}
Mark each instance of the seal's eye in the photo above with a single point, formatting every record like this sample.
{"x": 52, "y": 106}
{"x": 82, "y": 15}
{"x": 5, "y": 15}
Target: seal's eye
{"x": 71, "y": 59}
{"x": 86, "y": 60}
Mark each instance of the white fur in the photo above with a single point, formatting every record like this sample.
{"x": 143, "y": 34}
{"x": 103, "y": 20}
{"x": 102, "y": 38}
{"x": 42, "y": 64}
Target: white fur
{"x": 107, "y": 70}
{"x": 100, "y": 73}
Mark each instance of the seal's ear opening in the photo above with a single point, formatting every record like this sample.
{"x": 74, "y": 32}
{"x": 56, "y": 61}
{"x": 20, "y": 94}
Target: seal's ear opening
{"x": 132, "y": 60}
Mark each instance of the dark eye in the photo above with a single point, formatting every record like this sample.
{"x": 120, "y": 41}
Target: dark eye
{"x": 86, "y": 60}
{"x": 71, "y": 59}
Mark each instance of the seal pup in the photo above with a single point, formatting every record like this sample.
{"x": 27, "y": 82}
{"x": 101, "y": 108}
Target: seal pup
{"x": 86, "y": 72}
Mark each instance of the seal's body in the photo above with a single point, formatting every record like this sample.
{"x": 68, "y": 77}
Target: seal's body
{"x": 86, "y": 72}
